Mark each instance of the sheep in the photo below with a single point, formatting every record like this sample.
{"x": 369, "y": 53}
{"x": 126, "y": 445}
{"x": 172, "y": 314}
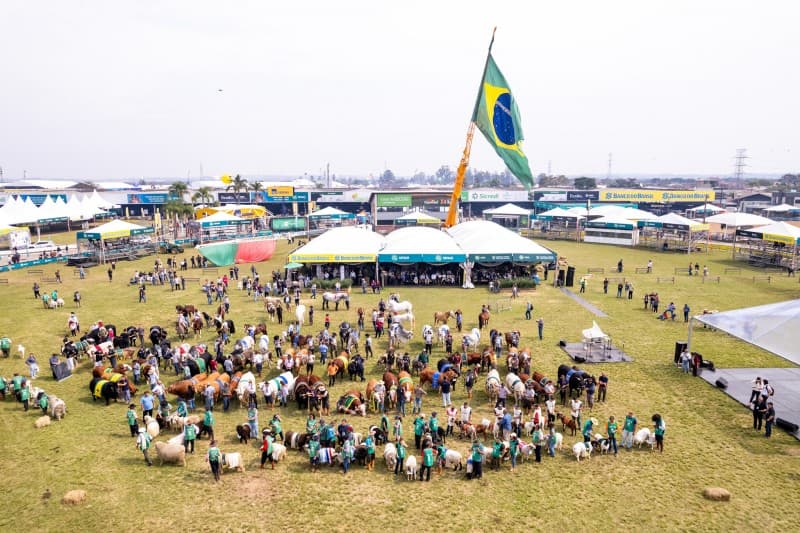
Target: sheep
{"x": 193, "y": 419}
{"x": 716, "y": 494}
{"x": 42, "y": 421}
{"x": 278, "y": 452}
{"x": 60, "y": 302}
{"x": 452, "y": 458}
{"x": 153, "y": 429}
{"x": 74, "y": 497}
{"x": 58, "y": 408}
{"x": 390, "y": 455}
{"x": 411, "y": 468}
{"x": 176, "y": 422}
{"x": 581, "y": 450}
{"x": 601, "y": 443}
{"x": 233, "y": 461}
{"x": 21, "y": 351}
{"x": 170, "y": 453}
{"x": 643, "y": 436}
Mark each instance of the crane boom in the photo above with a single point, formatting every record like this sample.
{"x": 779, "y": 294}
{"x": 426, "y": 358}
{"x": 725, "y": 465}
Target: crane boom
{"x": 455, "y": 196}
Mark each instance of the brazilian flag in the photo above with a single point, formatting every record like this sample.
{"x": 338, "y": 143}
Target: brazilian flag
{"x": 497, "y": 116}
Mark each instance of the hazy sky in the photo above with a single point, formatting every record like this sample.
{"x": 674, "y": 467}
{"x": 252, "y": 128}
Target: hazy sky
{"x": 120, "y": 90}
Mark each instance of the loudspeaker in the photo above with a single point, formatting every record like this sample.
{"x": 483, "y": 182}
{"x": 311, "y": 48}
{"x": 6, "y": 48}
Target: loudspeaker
{"x": 562, "y": 343}
{"x": 708, "y": 364}
{"x": 570, "y": 276}
{"x": 791, "y": 427}
{"x": 680, "y": 346}
{"x": 721, "y": 383}
{"x": 560, "y": 278}
{"x": 579, "y": 359}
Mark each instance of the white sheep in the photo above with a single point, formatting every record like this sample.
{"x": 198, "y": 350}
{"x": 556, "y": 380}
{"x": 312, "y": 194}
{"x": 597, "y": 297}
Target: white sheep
{"x": 58, "y": 408}
{"x": 453, "y": 459}
{"x": 233, "y": 461}
{"x": 278, "y": 452}
{"x": 177, "y": 439}
{"x": 152, "y": 426}
{"x": 390, "y": 455}
{"x": 42, "y": 421}
{"x": 581, "y": 450}
{"x": 643, "y": 436}
{"x": 411, "y": 468}
{"x": 170, "y": 453}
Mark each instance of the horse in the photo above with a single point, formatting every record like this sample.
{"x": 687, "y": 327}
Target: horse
{"x": 181, "y": 330}
{"x": 443, "y": 332}
{"x": 399, "y": 307}
{"x": 188, "y": 309}
{"x": 404, "y": 317}
{"x": 335, "y": 297}
{"x": 197, "y": 326}
{"x": 300, "y": 314}
{"x": 443, "y": 317}
{"x": 483, "y": 318}
{"x": 472, "y": 339}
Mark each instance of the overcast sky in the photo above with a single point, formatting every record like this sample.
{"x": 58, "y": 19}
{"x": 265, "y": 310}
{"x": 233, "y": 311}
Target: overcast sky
{"x": 121, "y": 90}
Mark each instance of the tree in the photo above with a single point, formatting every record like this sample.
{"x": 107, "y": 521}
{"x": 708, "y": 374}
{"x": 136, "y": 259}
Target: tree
{"x": 178, "y": 190}
{"x": 178, "y": 207}
{"x": 238, "y": 184}
{"x": 444, "y": 175}
{"x": 624, "y": 183}
{"x": 256, "y": 186}
{"x": 585, "y": 183}
{"x": 553, "y": 181}
{"x": 387, "y": 179}
{"x": 203, "y": 196}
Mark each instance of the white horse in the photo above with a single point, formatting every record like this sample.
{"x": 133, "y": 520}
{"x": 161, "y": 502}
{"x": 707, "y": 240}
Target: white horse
{"x": 444, "y": 331}
{"x": 473, "y": 338}
{"x": 398, "y": 334}
{"x": 427, "y": 328}
{"x": 404, "y": 317}
{"x": 300, "y": 314}
{"x": 400, "y": 307}
{"x": 335, "y": 297}
{"x": 352, "y": 340}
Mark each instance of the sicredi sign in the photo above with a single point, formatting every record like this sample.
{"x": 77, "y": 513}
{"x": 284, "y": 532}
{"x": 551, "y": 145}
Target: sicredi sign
{"x": 477, "y": 195}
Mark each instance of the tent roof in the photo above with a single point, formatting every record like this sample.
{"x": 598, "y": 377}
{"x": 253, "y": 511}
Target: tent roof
{"x": 329, "y": 211}
{"x": 221, "y": 216}
{"x": 508, "y": 209}
{"x": 613, "y": 219}
{"x": 708, "y": 208}
{"x": 421, "y": 244}
{"x": 739, "y": 219}
{"x": 419, "y": 216}
{"x": 115, "y": 228}
{"x": 486, "y": 241}
{"x": 346, "y": 244}
{"x": 559, "y": 212}
{"x": 782, "y": 208}
{"x": 773, "y": 327}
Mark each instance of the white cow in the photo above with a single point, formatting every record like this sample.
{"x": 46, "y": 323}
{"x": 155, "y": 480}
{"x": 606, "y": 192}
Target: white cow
{"x": 581, "y": 450}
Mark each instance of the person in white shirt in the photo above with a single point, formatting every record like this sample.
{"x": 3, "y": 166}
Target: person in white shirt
{"x": 466, "y": 413}
{"x": 575, "y": 410}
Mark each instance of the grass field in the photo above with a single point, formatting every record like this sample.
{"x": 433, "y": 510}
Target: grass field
{"x": 708, "y": 442}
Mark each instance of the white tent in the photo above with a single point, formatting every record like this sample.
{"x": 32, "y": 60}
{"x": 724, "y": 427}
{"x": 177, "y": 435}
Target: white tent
{"x": 346, "y": 244}
{"x": 487, "y": 242}
{"x": 773, "y": 327}
{"x": 508, "y": 210}
{"x": 738, "y": 220}
{"x": 782, "y": 208}
{"x": 99, "y": 202}
{"x": 558, "y": 212}
{"x": 631, "y": 213}
{"x": 707, "y": 208}
{"x": 420, "y": 244}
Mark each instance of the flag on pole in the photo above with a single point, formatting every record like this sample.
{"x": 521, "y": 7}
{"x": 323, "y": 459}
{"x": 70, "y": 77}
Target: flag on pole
{"x": 497, "y": 116}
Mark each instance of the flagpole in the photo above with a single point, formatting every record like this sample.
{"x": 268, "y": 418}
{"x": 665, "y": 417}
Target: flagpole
{"x": 455, "y": 196}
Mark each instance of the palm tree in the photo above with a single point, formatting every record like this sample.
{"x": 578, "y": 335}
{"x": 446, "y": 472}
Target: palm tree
{"x": 203, "y": 196}
{"x": 238, "y": 185}
{"x": 256, "y": 186}
{"x": 178, "y": 207}
{"x": 178, "y": 190}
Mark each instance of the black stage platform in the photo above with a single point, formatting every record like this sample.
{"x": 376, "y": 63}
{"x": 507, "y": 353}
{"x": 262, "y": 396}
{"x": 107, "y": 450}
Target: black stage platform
{"x": 595, "y": 352}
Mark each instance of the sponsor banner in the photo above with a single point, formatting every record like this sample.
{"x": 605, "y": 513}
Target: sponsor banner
{"x": 610, "y": 225}
{"x": 280, "y": 191}
{"x": 490, "y": 195}
{"x": 234, "y": 197}
{"x": 340, "y": 197}
{"x": 331, "y": 258}
{"x": 155, "y": 198}
{"x": 656, "y": 196}
{"x": 422, "y": 258}
{"x": 582, "y": 196}
{"x": 296, "y": 197}
{"x": 287, "y": 223}
{"x": 393, "y": 200}
{"x": 508, "y": 258}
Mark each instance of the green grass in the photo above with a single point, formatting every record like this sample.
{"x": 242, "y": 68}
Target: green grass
{"x": 708, "y": 442}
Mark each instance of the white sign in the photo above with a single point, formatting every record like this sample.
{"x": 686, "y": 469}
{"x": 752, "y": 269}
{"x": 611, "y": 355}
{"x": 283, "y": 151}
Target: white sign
{"x": 361, "y": 196}
{"x": 495, "y": 195}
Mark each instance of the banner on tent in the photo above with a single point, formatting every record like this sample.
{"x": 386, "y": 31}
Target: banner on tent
{"x": 393, "y": 200}
{"x": 156, "y": 198}
{"x": 655, "y": 196}
{"x": 422, "y": 258}
{"x": 332, "y": 258}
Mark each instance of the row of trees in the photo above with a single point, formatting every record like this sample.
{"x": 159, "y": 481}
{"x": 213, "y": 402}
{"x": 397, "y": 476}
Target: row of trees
{"x": 178, "y": 190}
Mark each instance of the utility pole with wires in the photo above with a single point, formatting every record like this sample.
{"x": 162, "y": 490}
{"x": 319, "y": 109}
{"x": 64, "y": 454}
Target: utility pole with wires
{"x": 610, "y": 160}
{"x": 738, "y": 169}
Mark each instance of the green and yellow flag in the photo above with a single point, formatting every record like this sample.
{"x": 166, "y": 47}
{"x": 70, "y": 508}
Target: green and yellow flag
{"x": 497, "y": 116}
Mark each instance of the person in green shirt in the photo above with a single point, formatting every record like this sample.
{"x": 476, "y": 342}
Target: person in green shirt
{"x": 441, "y": 453}
{"x": 16, "y": 381}
{"x": 132, "y": 424}
{"x": 611, "y": 430}
{"x": 628, "y": 430}
{"x": 189, "y": 436}
{"x": 143, "y": 443}
{"x": 44, "y": 402}
{"x": 369, "y": 442}
{"x": 423, "y": 358}
{"x": 312, "y": 426}
{"x": 182, "y": 411}
{"x": 477, "y": 460}
{"x": 3, "y": 388}
{"x": 419, "y": 429}
{"x": 25, "y": 395}
{"x": 513, "y": 449}
{"x": 497, "y": 451}
{"x": 252, "y": 421}
{"x": 538, "y": 439}
{"x": 659, "y": 427}
{"x": 397, "y": 428}
{"x": 433, "y": 426}
{"x": 427, "y": 463}
{"x": 275, "y": 425}
{"x": 401, "y": 456}
{"x": 313, "y": 452}
{"x": 213, "y": 459}
{"x": 208, "y": 424}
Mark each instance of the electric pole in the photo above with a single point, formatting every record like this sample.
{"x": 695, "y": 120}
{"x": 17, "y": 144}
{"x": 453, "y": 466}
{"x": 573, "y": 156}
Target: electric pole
{"x": 741, "y": 156}
{"x": 610, "y": 160}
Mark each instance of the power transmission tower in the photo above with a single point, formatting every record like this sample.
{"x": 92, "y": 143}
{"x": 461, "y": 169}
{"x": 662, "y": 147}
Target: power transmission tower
{"x": 610, "y": 160}
{"x": 741, "y": 156}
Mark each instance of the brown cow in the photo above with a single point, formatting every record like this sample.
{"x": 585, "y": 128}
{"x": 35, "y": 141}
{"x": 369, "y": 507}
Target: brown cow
{"x": 390, "y": 380}
{"x": 187, "y": 388}
{"x": 426, "y": 376}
